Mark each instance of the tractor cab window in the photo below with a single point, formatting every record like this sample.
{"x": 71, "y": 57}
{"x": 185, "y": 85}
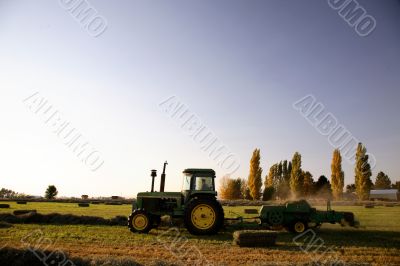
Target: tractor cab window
{"x": 186, "y": 182}
{"x": 204, "y": 183}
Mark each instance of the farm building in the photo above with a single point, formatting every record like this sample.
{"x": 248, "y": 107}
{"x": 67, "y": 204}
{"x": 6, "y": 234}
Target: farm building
{"x": 384, "y": 194}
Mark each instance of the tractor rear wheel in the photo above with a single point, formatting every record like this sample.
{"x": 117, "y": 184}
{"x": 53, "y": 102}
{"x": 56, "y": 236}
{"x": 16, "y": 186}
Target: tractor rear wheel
{"x": 203, "y": 216}
{"x": 139, "y": 221}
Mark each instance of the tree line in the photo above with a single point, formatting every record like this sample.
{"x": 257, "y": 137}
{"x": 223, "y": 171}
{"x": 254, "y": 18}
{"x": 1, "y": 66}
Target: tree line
{"x": 287, "y": 180}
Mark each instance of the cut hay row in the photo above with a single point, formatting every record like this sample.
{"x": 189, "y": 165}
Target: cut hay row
{"x": 56, "y": 218}
{"x": 113, "y": 203}
{"x": 254, "y": 238}
{"x": 83, "y": 204}
{"x": 14, "y": 256}
{"x": 4, "y": 206}
{"x": 5, "y": 225}
{"x": 21, "y": 202}
{"x": 20, "y": 212}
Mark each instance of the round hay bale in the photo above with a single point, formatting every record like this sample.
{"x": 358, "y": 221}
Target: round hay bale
{"x": 389, "y": 205}
{"x": 83, "y": 204}
{"x": 4, "y": 206}
{"x": 20, "y": 212}
{"x": 254, "y": 238}
{"x": 21, "y": 202}
{"x": 369, "y": 206}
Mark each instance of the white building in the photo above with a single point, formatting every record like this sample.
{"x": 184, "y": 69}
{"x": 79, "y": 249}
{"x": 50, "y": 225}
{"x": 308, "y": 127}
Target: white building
{"x": 384, "y": 194}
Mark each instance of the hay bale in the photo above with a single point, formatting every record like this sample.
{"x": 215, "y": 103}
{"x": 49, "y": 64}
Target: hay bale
{"x": 4, "y": 206}
{"x": 251, "y": 211}
{"x": 369, "y": 206}
{"x": 389, "y": 205}
{"x": 83, "y": 204}
{"x": 21, "y": 202}
{"x": 20, "y": 212}
{"x": 254, "y": 238}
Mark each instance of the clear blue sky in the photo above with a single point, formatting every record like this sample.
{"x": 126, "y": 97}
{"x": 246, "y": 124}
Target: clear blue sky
{"x": 238, "y": 65}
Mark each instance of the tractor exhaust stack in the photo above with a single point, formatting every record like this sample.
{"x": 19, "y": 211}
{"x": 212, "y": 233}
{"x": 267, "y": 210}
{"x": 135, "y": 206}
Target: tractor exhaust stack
{"x": 153, "y": 176}
{"x": 162, "y": 182}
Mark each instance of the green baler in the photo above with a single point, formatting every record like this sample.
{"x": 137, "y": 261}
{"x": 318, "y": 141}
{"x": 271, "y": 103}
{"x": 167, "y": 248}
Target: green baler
{"x": 298, "y": 216}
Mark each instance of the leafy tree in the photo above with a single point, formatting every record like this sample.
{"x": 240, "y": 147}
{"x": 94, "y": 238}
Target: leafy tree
{"x": 224, "y": 187}
{"x": 254, "y": 180}
{"x": 296, "y": 178}
{"x": 323, "y": 187}
{"x": 351, "y": 188}
{"x": 245, "y": 190}
{"x": 308, "y": 184}
{"x": 268, "y": 193}
{"x": 362, "y": 173}
{"x": 231, "y": 189}
{"x": 337, "y": 177}
{"x": 51, "y": 192}
{"x": 396, "y": 185}
{"x": 272, "y": 181}
{"x": 382, "y": 181}
{"x": 9, "y": 194}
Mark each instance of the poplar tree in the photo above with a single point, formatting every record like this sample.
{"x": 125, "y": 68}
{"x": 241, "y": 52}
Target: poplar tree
{"x": 254, "y": 180}
{"x": 362, "y": 173}
{"x": 296, "y": 177}
{"x": 337, "y": 176}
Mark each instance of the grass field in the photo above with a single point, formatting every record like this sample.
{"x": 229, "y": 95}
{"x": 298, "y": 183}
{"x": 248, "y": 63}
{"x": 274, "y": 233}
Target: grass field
{"x": 377, "y": 242}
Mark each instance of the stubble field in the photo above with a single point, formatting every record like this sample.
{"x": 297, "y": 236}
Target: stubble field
{"x": 377, "y": 242}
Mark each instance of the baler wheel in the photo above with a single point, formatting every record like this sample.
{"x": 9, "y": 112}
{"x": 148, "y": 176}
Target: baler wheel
{"x": 299, "y": 227}
{"x": 275, "y": 217}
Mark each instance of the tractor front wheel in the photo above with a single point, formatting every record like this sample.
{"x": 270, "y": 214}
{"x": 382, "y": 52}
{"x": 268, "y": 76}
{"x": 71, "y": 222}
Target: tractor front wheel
{"x": 139, "y": 222}
{"x": 204, "y": 216}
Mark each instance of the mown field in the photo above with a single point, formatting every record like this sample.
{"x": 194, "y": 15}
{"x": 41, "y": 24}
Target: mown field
{"x": 377, "y": 242}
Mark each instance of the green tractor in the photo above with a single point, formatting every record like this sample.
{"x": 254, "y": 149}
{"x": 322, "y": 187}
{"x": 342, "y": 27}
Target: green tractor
{"x": 196, "y": 204}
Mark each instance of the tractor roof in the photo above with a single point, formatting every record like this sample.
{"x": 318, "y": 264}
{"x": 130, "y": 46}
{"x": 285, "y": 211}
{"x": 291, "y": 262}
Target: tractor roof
{"x": 199, "y": 170}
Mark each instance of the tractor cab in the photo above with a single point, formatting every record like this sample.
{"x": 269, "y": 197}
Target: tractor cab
{"x": 198, "y": 182}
